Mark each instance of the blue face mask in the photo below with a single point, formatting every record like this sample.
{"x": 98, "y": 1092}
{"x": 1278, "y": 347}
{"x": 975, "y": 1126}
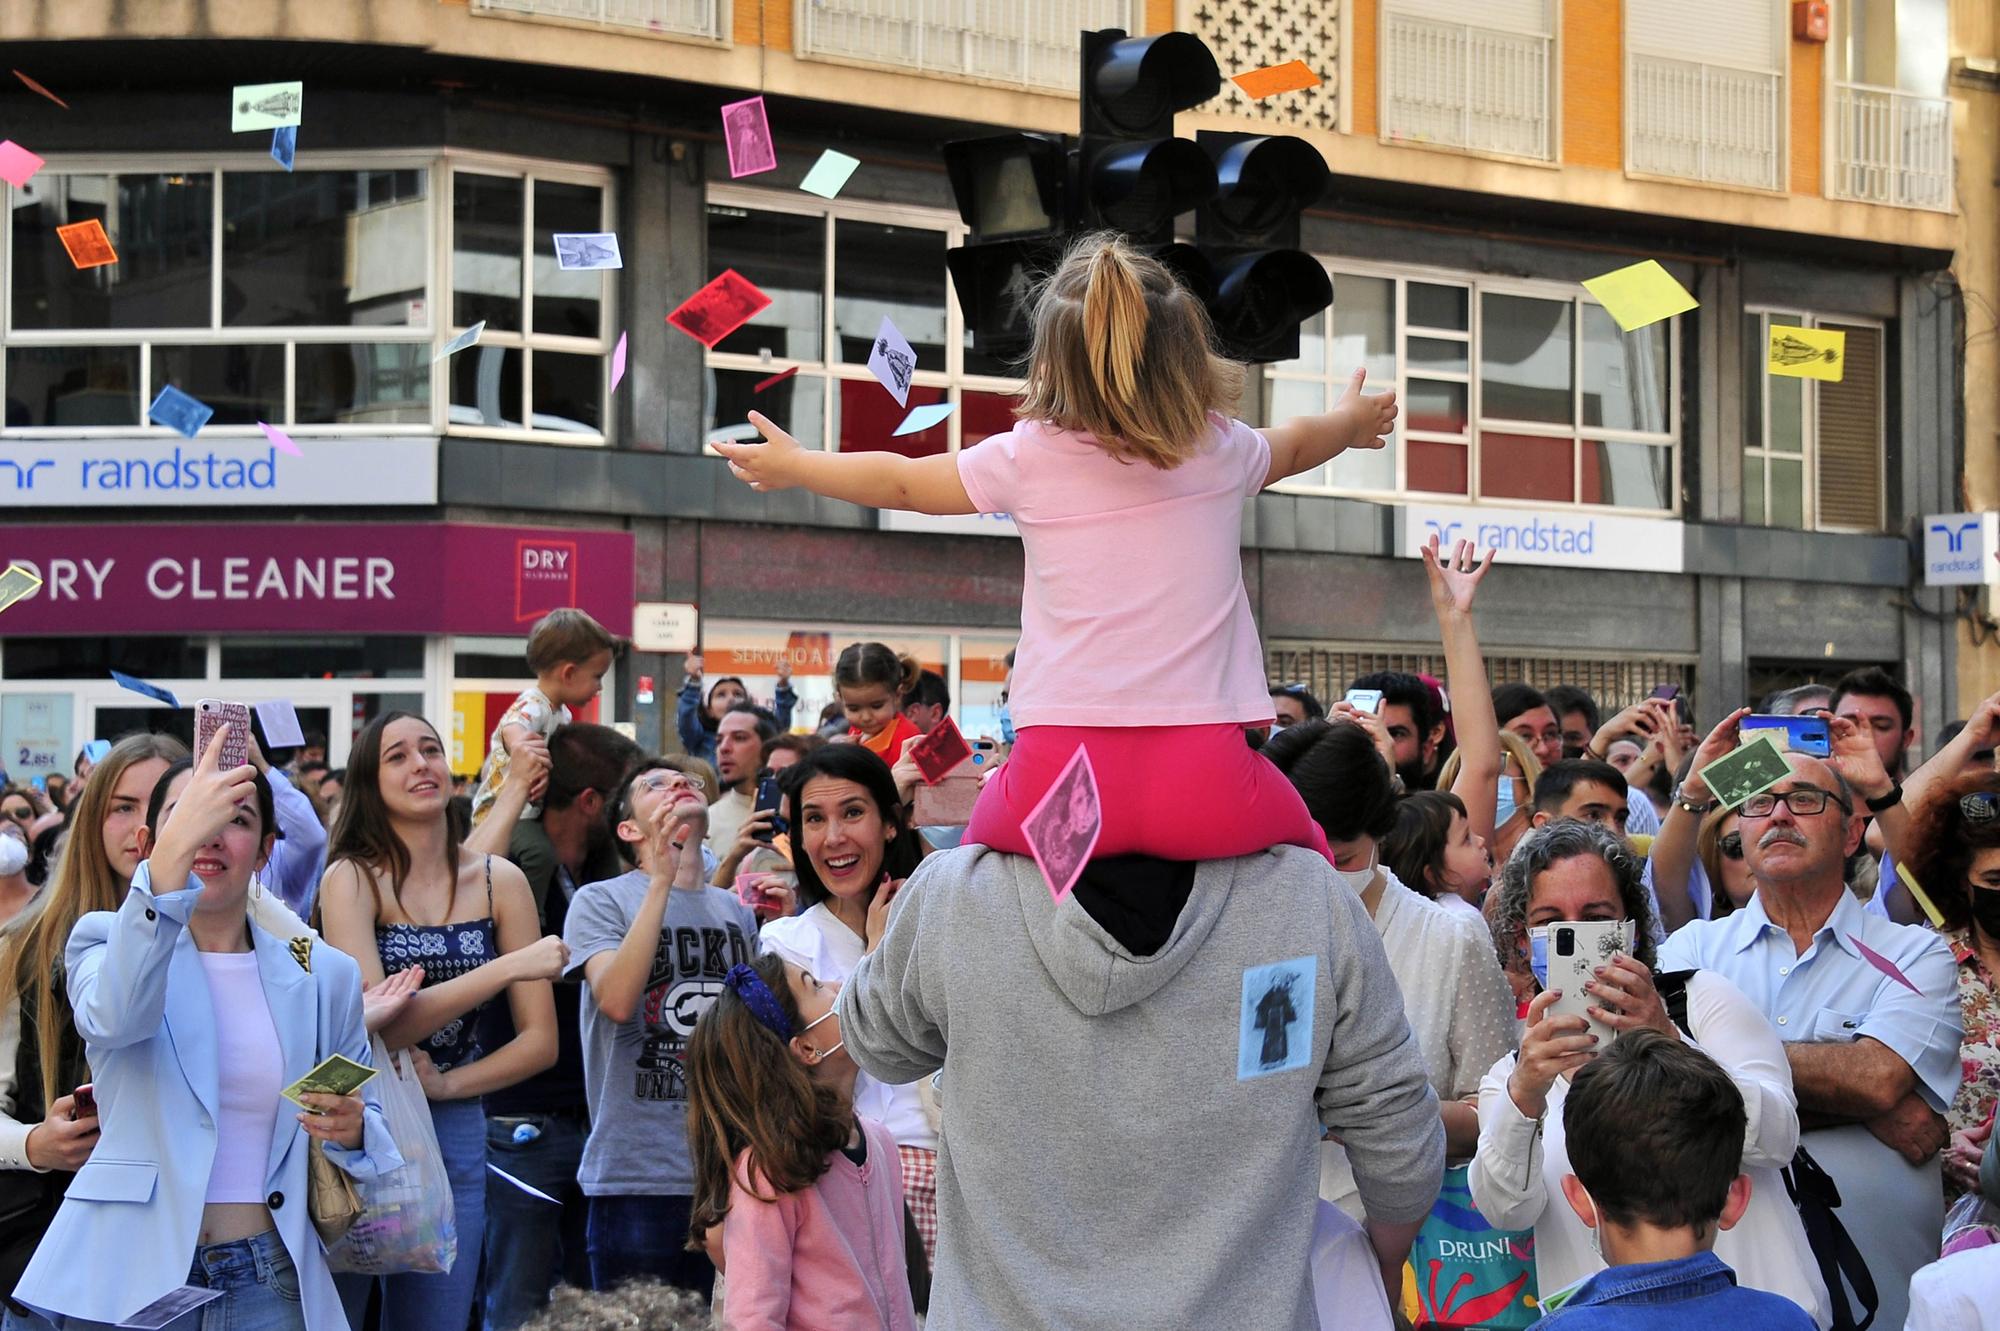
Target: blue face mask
{"x": 1006, "y": 724}
{"x": 1504, "y": 810}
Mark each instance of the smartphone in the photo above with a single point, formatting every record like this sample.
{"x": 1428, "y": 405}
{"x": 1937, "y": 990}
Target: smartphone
{"x": 1365, "y": 700}
{"x": 86, "y": 1101}
{"x": 769, "y": 798}
{"x": 1667, "y": 692}
{"x": 209, "y": 717}
{"x": 1576, "y": 949}
{"x": 1792, "y": 734}
{"x": 750, "y": 889}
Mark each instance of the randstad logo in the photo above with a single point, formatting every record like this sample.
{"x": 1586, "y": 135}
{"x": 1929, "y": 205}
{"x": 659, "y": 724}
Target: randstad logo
{"x": 1955, "y": 537}
{"x": 1536, "y": 535}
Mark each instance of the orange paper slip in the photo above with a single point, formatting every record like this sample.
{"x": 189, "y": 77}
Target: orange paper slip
{"x": 1274, "y": 79}
{"x": 87, "y": 244}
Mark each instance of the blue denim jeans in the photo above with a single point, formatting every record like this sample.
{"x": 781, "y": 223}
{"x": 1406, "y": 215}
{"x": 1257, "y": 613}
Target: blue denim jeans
{"x": 443, "y": 1301}
{"x": 632, "y": 1238}
{"x": 529, "y": 1243}
{"x": 260, "y": 1291}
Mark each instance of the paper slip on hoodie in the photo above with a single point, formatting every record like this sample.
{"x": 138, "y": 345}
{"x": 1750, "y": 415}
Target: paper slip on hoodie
{"x": 1132, "y": 1141}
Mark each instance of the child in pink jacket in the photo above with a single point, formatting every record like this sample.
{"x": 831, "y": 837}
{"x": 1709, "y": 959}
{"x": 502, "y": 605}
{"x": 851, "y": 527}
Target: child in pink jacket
{"x": 809, "y": 1197}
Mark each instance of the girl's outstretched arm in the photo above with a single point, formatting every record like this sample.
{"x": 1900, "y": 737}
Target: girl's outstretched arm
{"x": 1308, "y": 441}
{"x": 878, "y": 480}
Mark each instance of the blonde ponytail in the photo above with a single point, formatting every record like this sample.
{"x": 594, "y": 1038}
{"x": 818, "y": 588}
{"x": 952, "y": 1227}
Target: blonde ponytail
{"x": 1114, "y": 324}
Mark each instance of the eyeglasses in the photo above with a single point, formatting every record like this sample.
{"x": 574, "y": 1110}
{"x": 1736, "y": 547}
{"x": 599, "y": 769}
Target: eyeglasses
{"x": 657, "y": 782}
{"x": 1802, "y": 801}
{"x": 1979, "y": 807}
{"x": 1731, "y": 846}
{"x": 1293, "y": 690}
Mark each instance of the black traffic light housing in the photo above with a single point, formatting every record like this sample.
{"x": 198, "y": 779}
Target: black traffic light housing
{"x": 1264, "y": 285}
{"x": 1133, "y": 175}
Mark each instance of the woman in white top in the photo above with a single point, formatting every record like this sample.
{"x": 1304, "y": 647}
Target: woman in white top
{"x": 852, "y": 849}
{"x": 1570, "y": 870}
{"x": 1458, "y": 1003}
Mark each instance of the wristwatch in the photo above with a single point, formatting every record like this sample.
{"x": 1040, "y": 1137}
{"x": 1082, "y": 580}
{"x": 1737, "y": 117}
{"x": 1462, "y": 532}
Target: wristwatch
{"x": 1887, "y": 800}
{"x": 1691, "y": 807}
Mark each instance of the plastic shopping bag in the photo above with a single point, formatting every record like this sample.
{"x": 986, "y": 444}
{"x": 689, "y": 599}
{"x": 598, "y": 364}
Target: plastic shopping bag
{"x": 1347, "y": 1281}
{"x": 1972, "y": 1222}
{"x": 1465, "y": 1273}
{"x": 406, "y": 1221}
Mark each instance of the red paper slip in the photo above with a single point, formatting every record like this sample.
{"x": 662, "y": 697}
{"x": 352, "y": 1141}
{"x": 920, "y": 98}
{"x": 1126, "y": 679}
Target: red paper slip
{"x": 940, "y": 751}
{"x": 720, "y": 308}
{"x": 777, "y": 378}
{"x": 33, "y": 86}
{"x": 87, "y": 244}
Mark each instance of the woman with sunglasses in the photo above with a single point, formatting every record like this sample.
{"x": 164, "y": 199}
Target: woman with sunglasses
{"x": 1954, "y": 842}
{"x": 1696, "y": 867}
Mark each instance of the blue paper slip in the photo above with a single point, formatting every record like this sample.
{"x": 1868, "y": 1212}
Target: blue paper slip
{"x": 141, "y": 687}
{"x": 829, "y": 173}
{"x": 1275, "y": 1030}
{"x": 470, "y": 337}
{"x": 179, "y": 412}
{"x": 923, "y": 418}
{"x": 285, "y": 144}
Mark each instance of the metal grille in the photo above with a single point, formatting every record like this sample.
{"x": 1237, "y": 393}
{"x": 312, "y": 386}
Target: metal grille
{"x": 1706, "y": 122}
{"x": 1326, "y": 669}
{"x": 1030, "y": 43}
{"x": 1891, "y": 147}
{"x": 688, "y": 18}
{"x": 1465, "y": 86}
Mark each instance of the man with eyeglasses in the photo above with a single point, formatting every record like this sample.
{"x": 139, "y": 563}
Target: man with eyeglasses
{"x": 1868, "y": 1008}
{"x": 1295, "y": 705}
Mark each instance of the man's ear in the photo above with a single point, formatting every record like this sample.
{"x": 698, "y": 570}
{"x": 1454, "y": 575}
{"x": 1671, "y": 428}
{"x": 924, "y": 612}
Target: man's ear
{"x": 1579, "y": 1200}
{"x": 1538, "y": 818}
{"x": 630, "y": 832}
{"x": 1737, "y": 1202}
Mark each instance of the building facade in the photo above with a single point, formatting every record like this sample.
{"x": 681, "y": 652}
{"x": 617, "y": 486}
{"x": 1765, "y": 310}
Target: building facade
{"x": 1668, "y": 510}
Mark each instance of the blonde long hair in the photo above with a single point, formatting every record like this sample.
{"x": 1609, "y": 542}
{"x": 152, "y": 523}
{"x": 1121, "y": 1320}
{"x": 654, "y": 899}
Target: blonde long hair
{"x": 1124, "y": 352}
{"x": 31, "y": 946}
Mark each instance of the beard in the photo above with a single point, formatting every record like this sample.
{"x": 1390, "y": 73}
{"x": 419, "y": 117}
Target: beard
{"x": 1414, "y": 777}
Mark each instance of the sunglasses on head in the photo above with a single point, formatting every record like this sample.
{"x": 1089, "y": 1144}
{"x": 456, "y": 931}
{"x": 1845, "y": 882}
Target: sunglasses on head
{"x": 1982, "y": 806}
{"x": 1731, "y": 846}
{"x": 1293, "y": 690}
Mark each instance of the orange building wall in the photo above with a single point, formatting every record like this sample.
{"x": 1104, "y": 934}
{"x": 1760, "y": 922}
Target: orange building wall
{"x": 1361, "y": 88}
{"x": 763, "y": 23}
{"x": 1808, "y": 97}
{"x": 1592, "y": 105}
{"x": 1159, "y": 16}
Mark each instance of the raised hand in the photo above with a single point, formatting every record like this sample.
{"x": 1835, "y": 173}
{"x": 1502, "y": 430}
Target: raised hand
{"x": 767, "y": 465}
{"x": 1853, "y": 754}
{"x": 1365, "y": 421}
{"x": 1455, "y": 579}
{"x": 1720, "y": 741}
{"x": 1551, "y": 1047}
{"x": 382, "y": 1002}
{"x": 211, "y": 799}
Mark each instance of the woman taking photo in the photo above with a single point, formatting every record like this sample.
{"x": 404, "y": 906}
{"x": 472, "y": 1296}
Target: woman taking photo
{"x": 400, "y": 894}
{"x": 1570, "y": 871}
{"x": 852, "y": 850}
{"x": 195, "y": 1020}
{"x": 42, "y": 1138}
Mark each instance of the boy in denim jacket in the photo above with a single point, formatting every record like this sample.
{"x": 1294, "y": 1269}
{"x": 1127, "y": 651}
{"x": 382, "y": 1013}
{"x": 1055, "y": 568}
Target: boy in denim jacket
{"x": 1655, "y": 1134}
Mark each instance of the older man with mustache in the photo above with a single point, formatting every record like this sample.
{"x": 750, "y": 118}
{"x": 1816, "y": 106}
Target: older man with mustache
{"x": 1868, "y": 1009}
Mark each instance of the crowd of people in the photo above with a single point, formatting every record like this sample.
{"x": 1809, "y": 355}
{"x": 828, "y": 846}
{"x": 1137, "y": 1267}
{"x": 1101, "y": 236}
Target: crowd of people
{"x": 733, "y": 1031}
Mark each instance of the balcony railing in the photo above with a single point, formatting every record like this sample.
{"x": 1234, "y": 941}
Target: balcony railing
{"x": 1712, "y": 123}
{"x": 1465, "y": 87}
{"x": 1027, "y": 43}
{"x": 1890, "y": 147}
{"x": 686, "y": 18}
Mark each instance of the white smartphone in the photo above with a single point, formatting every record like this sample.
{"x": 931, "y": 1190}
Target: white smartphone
{"x": 1365, "y": 700}
{"x": 1576, "y": 948}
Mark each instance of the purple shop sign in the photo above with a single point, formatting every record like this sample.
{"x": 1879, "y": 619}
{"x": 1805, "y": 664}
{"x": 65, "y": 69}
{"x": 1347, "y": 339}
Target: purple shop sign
{"x": 315, "y": 578}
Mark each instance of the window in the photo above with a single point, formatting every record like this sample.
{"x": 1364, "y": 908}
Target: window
{"x": 1812, "y": 450}
{"x": 540, "y": 367}
{"x": 1029, "y": 43}
{"x": 290, "y": 298}
{"x": 1705, "y": 90}
{"x": 1889, "y": 122}
{"x": 1483, "y": 86}
{"x": 833, "y": 275}
{"x": 1509, "y": 391}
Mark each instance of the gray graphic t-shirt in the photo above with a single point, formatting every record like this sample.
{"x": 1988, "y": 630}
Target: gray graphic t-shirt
{"x": 633, "y": 1071}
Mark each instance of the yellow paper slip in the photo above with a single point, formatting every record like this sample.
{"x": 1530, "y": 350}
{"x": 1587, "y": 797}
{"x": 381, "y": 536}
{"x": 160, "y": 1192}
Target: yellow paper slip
{"x": 1929, "y": 906}
{"x": 1291, "y": 76}
{"x": 1642, "y": 294}
{"x": 1808, "y": 353}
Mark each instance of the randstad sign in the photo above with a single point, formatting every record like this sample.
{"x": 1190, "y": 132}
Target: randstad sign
{"x": 1561, "y": 538}
{"x": 1959, "y": 548}
{"x": 216, "y": 469}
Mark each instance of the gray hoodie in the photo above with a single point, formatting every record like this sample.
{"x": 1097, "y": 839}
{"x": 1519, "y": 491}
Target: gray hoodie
{"x": 1133, "y": 1141}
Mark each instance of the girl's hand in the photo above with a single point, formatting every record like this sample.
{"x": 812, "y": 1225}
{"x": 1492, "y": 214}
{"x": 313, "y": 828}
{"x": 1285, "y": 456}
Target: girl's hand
{"x": 1365, "y": 421}
{"x": 1721, "y": 741}
{"x": 1626, "y": 998}
{"x": 878, "y": 910}
{"x": 211, "y": 799}
{"x": 335, "y": 1119}
{"x": 1454, "y": 580}
{"x": 766, "y": 466}
{"x": 544, "y": 959}
{"x": 780, "y": 900}
{"x": 381, "y": 1003}
{"x": 905, "y": 772}
{"x": 437, "y": 1085}
{"x": 61, "y": 1141}
{"x": 1552, "y": 1047}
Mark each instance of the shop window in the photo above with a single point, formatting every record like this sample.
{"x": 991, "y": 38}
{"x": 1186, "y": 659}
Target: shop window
{"x": 1813, "y": 449}
{"x": 356, "y": 657}
{"x": 95, "y": 658}
{"x": 324, "y": 248}
{"x": 162, "y": 227}
{"x": 833, "y": 273}
{"x": 1515, "y": 392}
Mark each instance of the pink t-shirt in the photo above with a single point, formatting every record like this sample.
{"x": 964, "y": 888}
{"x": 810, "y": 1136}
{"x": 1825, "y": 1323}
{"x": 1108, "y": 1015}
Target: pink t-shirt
{"x": 1133, "y": 612}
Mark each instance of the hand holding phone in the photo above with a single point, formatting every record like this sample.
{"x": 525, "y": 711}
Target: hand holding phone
{"x": 83, "y": 1102}
{"x": 1576, "y": 948}
{"x": 769, "y": 798}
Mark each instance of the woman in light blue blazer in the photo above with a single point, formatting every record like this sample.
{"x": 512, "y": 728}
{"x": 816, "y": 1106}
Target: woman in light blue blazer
{"x": 194, "y": 1019}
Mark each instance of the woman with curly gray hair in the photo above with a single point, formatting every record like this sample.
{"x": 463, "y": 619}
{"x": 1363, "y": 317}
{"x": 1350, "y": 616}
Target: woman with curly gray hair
{"x": 1569, "y": 871}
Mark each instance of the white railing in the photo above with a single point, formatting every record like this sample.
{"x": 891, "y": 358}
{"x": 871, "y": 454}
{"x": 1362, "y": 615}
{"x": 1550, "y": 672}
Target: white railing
{"x": 1465, "y": 87}
{"x": 1890, "y": 147}
{"x": 1028, "y": 43}
{"x": 686, "y": 18}
{"x": 1712, "y": 123}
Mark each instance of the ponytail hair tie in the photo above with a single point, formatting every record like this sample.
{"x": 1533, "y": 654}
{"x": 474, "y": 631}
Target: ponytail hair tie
{"x": 757, "y": 996}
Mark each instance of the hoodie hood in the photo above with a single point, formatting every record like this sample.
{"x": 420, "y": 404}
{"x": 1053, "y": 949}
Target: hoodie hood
{"x": 1096, "y": 972}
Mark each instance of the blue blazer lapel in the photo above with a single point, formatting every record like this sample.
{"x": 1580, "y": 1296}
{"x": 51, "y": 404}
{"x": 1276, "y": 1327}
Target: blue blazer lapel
{"x": 191, "y": 1024}
{"x": 294, "y": 999}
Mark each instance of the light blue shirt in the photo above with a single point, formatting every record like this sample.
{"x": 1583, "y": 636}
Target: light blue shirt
{"x": 299, "y": 856}
{"x": 1641, "y": 818}
{"x": 1832, "y": 991}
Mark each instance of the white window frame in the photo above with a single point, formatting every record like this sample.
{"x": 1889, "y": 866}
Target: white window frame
{"x": 1333, "y": 377}
{"x": 953, "y": 378}
{"x": 215, "y": 333}
{"x": 527, "y": 171}
{"x": 1133, "y": 21}
{"x": 1808, "y": 455}
{"x": 1780, "y": 17}
{"x": 1388, "y": 9}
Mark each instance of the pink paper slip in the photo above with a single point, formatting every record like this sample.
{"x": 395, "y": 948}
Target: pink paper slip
{"x": 747, "y": 132}
{"x": 618, "y": 362}
{"x": 1063, "y": 828}
{"x": 1883, "y": 964}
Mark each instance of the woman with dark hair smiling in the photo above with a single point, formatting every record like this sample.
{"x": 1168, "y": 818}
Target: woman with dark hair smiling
{"x": 852, "y": 849}
{"x": 401, "y": 894}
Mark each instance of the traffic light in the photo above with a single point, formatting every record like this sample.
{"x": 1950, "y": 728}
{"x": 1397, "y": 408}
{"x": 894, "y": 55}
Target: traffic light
{"x": 1133, "y": 175}
{"x": 1264, "y": 286}
{"x": 1013, "y": 191}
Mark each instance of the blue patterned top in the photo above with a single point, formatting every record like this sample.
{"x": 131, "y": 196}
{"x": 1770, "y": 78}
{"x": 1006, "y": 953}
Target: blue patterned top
{"x": 445, "y": 951}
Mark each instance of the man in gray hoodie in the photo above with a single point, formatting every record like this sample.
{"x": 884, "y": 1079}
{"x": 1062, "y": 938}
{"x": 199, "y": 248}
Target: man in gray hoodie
{"x": 1136, "y": 1080}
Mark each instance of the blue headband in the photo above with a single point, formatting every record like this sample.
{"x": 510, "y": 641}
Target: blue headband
{"x": 757, "y": 996}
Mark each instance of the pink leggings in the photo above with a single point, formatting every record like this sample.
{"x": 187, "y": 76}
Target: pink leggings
{"x": 1177, "y": 793}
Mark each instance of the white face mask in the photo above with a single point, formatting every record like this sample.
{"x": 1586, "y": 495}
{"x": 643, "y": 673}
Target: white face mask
{"x": 14, "y": 855}
{"x": 825, "y": 1053}
{"x": 1358, "y": 879}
